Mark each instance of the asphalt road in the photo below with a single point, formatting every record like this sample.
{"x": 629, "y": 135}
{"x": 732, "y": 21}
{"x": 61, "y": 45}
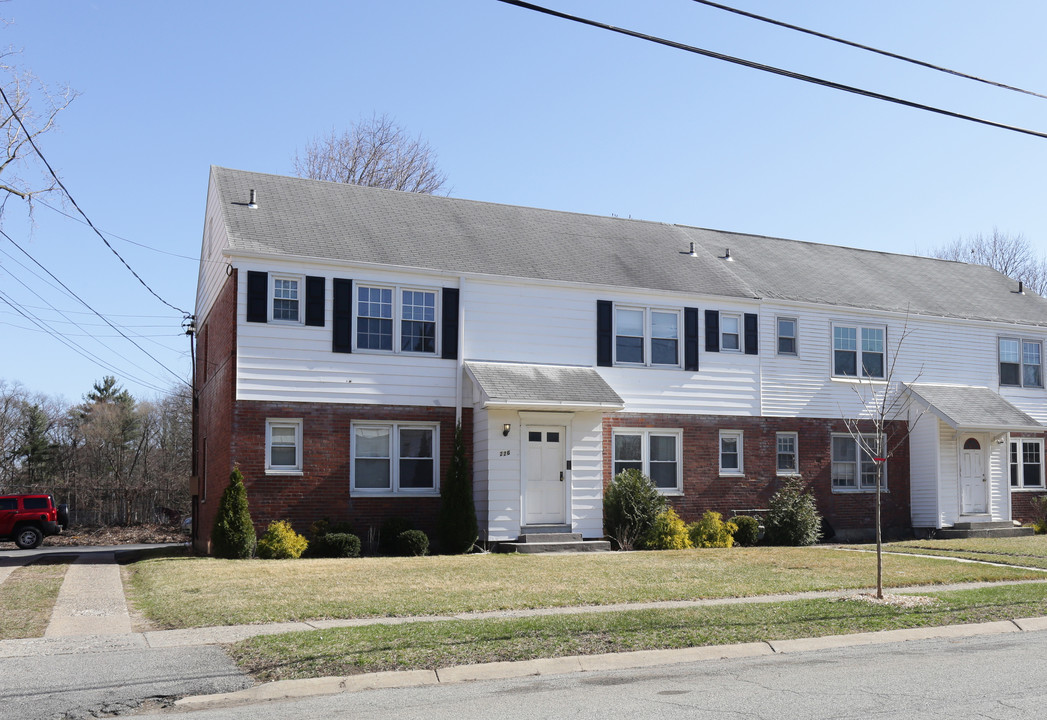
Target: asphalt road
{"x": 1001, "y": 676}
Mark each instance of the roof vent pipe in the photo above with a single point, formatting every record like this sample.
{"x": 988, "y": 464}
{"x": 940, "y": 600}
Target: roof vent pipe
{"x": 727, "y": 255}
{"x": 693, "y": 253}
{"x": 1021, "y": 288}
{"x": 251, "y": 203}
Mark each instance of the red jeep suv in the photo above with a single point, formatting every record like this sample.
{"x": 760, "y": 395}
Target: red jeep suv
{"x": 28, "y": 519}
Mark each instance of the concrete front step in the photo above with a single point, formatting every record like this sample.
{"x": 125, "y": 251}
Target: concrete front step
{"x": 554, "y": 547}
{"x": 1000, "y": 532}
{"x": 983, "y": 525}
{"x": 550, "y": 537}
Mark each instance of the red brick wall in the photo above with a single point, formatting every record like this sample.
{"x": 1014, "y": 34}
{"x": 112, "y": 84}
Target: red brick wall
{"x": 322, "y": 490}
{"x": 850, "y": 514}
{"x": 215, "y": 390}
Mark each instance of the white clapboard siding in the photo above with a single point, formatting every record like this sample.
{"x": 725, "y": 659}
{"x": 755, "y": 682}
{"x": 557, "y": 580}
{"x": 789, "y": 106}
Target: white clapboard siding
{"x": 587, "y": 474}
{"x": 949, "y": 485}
{"x": 999, "y": 481}
{"x": 503, "y": 476}
{"x": 924, "y": 468}
{"x": 212, "y": 275}
{"x": 480, "y": 465}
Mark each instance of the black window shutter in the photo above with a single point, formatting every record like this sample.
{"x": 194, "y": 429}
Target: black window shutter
{"x": 342, "y": 315}
{"x": 752, "y": 335}
{"x": 257, "y": 296}
{"x": 314, "y": 301}
{"x": 690, "y": 338}
{"x": 604, "y": 334}
{"x": 449, "y": 327}
{"x": 712, "y": 331}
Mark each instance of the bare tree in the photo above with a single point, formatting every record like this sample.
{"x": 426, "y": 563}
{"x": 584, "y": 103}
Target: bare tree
{"x": 29, "y": 111}
{"x": 877, "y": 436}
{"x": 1013, "y": 255}
{"x": 375, "y": 152}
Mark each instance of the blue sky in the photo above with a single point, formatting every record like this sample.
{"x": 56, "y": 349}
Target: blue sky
{"x": 522, "y": 109}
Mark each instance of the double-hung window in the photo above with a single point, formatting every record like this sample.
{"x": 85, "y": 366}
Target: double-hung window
{"x": 286, "y": 305}
{"x": 283, "y": 445}
{"x": 787, "y": 458}
{"x": 852, "y": 467}
{"x": 1021, "y": 362}
{"x": 786, "y": 330}
{"x": 730, "y": 332}
{"x": 731, "y": 458}
{"x": 1026, "y": 463}
{"x": 857, "y": 348}
{"x": 646, "y": 336}
{"x": 655, "y": 453}
{"x": 394, "y": 458}
{"x": 395, "y": 319}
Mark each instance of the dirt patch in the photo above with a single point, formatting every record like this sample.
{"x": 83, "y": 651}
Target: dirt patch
{"x": 902, "y": 601}
{"x": 117, "y": 535}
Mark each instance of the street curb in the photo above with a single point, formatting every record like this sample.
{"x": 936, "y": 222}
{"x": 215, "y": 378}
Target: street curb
{"x": 291, "y": 689}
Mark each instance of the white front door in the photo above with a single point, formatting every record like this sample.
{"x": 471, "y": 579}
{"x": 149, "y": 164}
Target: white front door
{"x": 545, "y": 484}
{"x": 974, "y": 484}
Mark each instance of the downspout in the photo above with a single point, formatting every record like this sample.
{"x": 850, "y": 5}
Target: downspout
{"x": 461, "y": 352}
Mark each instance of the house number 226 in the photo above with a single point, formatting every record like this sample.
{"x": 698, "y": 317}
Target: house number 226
{"x": 503, "y": 453}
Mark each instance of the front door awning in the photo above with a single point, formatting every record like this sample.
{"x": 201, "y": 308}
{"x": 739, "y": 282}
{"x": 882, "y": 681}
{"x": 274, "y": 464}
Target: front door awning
{"x": 972, "y": 408}
{"x": 542, "y": 387}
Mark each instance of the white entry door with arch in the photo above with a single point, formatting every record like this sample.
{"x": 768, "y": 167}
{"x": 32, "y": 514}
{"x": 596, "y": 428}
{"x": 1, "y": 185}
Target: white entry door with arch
{"x": 974, "y": 480}
{"x": 545, "y": 475}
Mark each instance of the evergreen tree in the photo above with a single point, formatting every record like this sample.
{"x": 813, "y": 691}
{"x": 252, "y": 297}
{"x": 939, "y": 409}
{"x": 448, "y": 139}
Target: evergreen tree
{"x": 457, "y": 526}
{"x": 233, "y": 536}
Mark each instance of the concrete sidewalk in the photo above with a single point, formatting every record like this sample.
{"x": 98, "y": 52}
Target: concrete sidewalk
{"x": 91, "y": 600}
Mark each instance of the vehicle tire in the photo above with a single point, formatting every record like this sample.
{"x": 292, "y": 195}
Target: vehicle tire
{"x": 63, "y": 515}
{"x": 28, "y": 537}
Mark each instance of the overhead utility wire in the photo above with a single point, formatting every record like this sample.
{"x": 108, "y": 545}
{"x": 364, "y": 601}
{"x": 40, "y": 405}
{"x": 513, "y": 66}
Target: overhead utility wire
{"x": 85, "y": 304}
{"x": 885, "y": 53}
{"x": 771, "y": 69}
{"x": 58, "y": 180}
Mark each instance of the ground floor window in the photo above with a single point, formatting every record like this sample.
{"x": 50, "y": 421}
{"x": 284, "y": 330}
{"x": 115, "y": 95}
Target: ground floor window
{"x": 283, "y": 445}
{"x": 787, "y": 461}
{"x": 852, "y": 467}
{"x": 1026, "y": 463}
{"x": 655, "y": 453}
{"x": 392, "y": 458}
{"x": 731, "y": 459}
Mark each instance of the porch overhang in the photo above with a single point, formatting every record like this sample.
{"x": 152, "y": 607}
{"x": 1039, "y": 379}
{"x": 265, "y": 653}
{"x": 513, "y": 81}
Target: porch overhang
{"x": 542, "y": 387}
{"x": 971, "y": 408}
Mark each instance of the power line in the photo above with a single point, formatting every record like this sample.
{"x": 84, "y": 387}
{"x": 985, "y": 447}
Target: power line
{"x": 85, "y": 304}
{"x": 58, "y": 180}
{"x": 868, "y": 48}
{"x": 771, "y": 69}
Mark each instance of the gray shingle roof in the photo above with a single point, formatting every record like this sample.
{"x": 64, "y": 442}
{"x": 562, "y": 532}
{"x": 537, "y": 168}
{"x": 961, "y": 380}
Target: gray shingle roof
{"x": 309, "y": 218}
{"x": 972, "y": 407}
{"x": 519, "y": 384}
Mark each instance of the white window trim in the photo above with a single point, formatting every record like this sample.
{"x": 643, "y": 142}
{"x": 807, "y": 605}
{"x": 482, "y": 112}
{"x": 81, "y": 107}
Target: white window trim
{"x": 271, "y": 469}
{"x": 859, "y": 377}
{"x": 884, "y": 486}
{"x": 645, "y": 452}
{"x": 394, "y": 460}
{"x": 739, "y": 318}
{"x": 1021, "y": 361}
{"x": 796, "y": 454}
{"x": 648, "y": 335}
{"x": 1020, "y": 487}
{"x": 300, "y": 279}
{"x": 740, "y": 470}
{"x": 397, "y": 317}
{"x": 795, "y": 336}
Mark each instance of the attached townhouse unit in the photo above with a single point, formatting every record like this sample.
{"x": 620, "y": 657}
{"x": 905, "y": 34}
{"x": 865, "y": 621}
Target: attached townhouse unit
{"x": 343, "y": 331}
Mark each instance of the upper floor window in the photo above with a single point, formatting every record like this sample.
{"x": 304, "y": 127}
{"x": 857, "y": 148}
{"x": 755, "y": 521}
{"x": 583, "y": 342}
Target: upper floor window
{"x": 395, "y": 319}
{"x": 1026, "y": 463}
{"x": 852, "y": 467}
{"x": 854, "y": 344}
{"x": 730, "y": 332}
{"x": 285, "y": 299}
{"x": 786, "y": 330}
{"x": 655, "y": 453}
{"x": 646, "y": 336}
{"x": 1021, "y": 362}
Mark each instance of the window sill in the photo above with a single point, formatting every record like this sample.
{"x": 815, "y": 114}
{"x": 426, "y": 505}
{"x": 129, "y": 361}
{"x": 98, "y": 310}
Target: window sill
{"x": 671, "y": 493}
{"x": 861, "y": 491}
{"x": 732, "y": 474}
{"x": 278, "y": 471}
{"x": 391, "y": 494}
{"x": 369, "y": 351}
{"x": 788, "y": 474}
{"x": 1030, "y": 488}
{"x": 852, "y": 380}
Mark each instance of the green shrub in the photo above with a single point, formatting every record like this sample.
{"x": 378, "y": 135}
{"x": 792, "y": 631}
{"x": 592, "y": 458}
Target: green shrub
{"x": 412, "y": 543}
{"x": 281, "y": 542}
{"x": 325, "y": 527}
{"x": 793, "y": 518}
{"x": 630, "y": 505}
{"x": 334, "y": 545}
{"x": 748, "y": 529}
{"x": 1039, "y": 514}
{"x": 457, "y": 528}
{"x": 668, "y": 533}
{"x": 390, "y": 530}
{"x": 712, "y": 532}
{"x": 233, "y": 534}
